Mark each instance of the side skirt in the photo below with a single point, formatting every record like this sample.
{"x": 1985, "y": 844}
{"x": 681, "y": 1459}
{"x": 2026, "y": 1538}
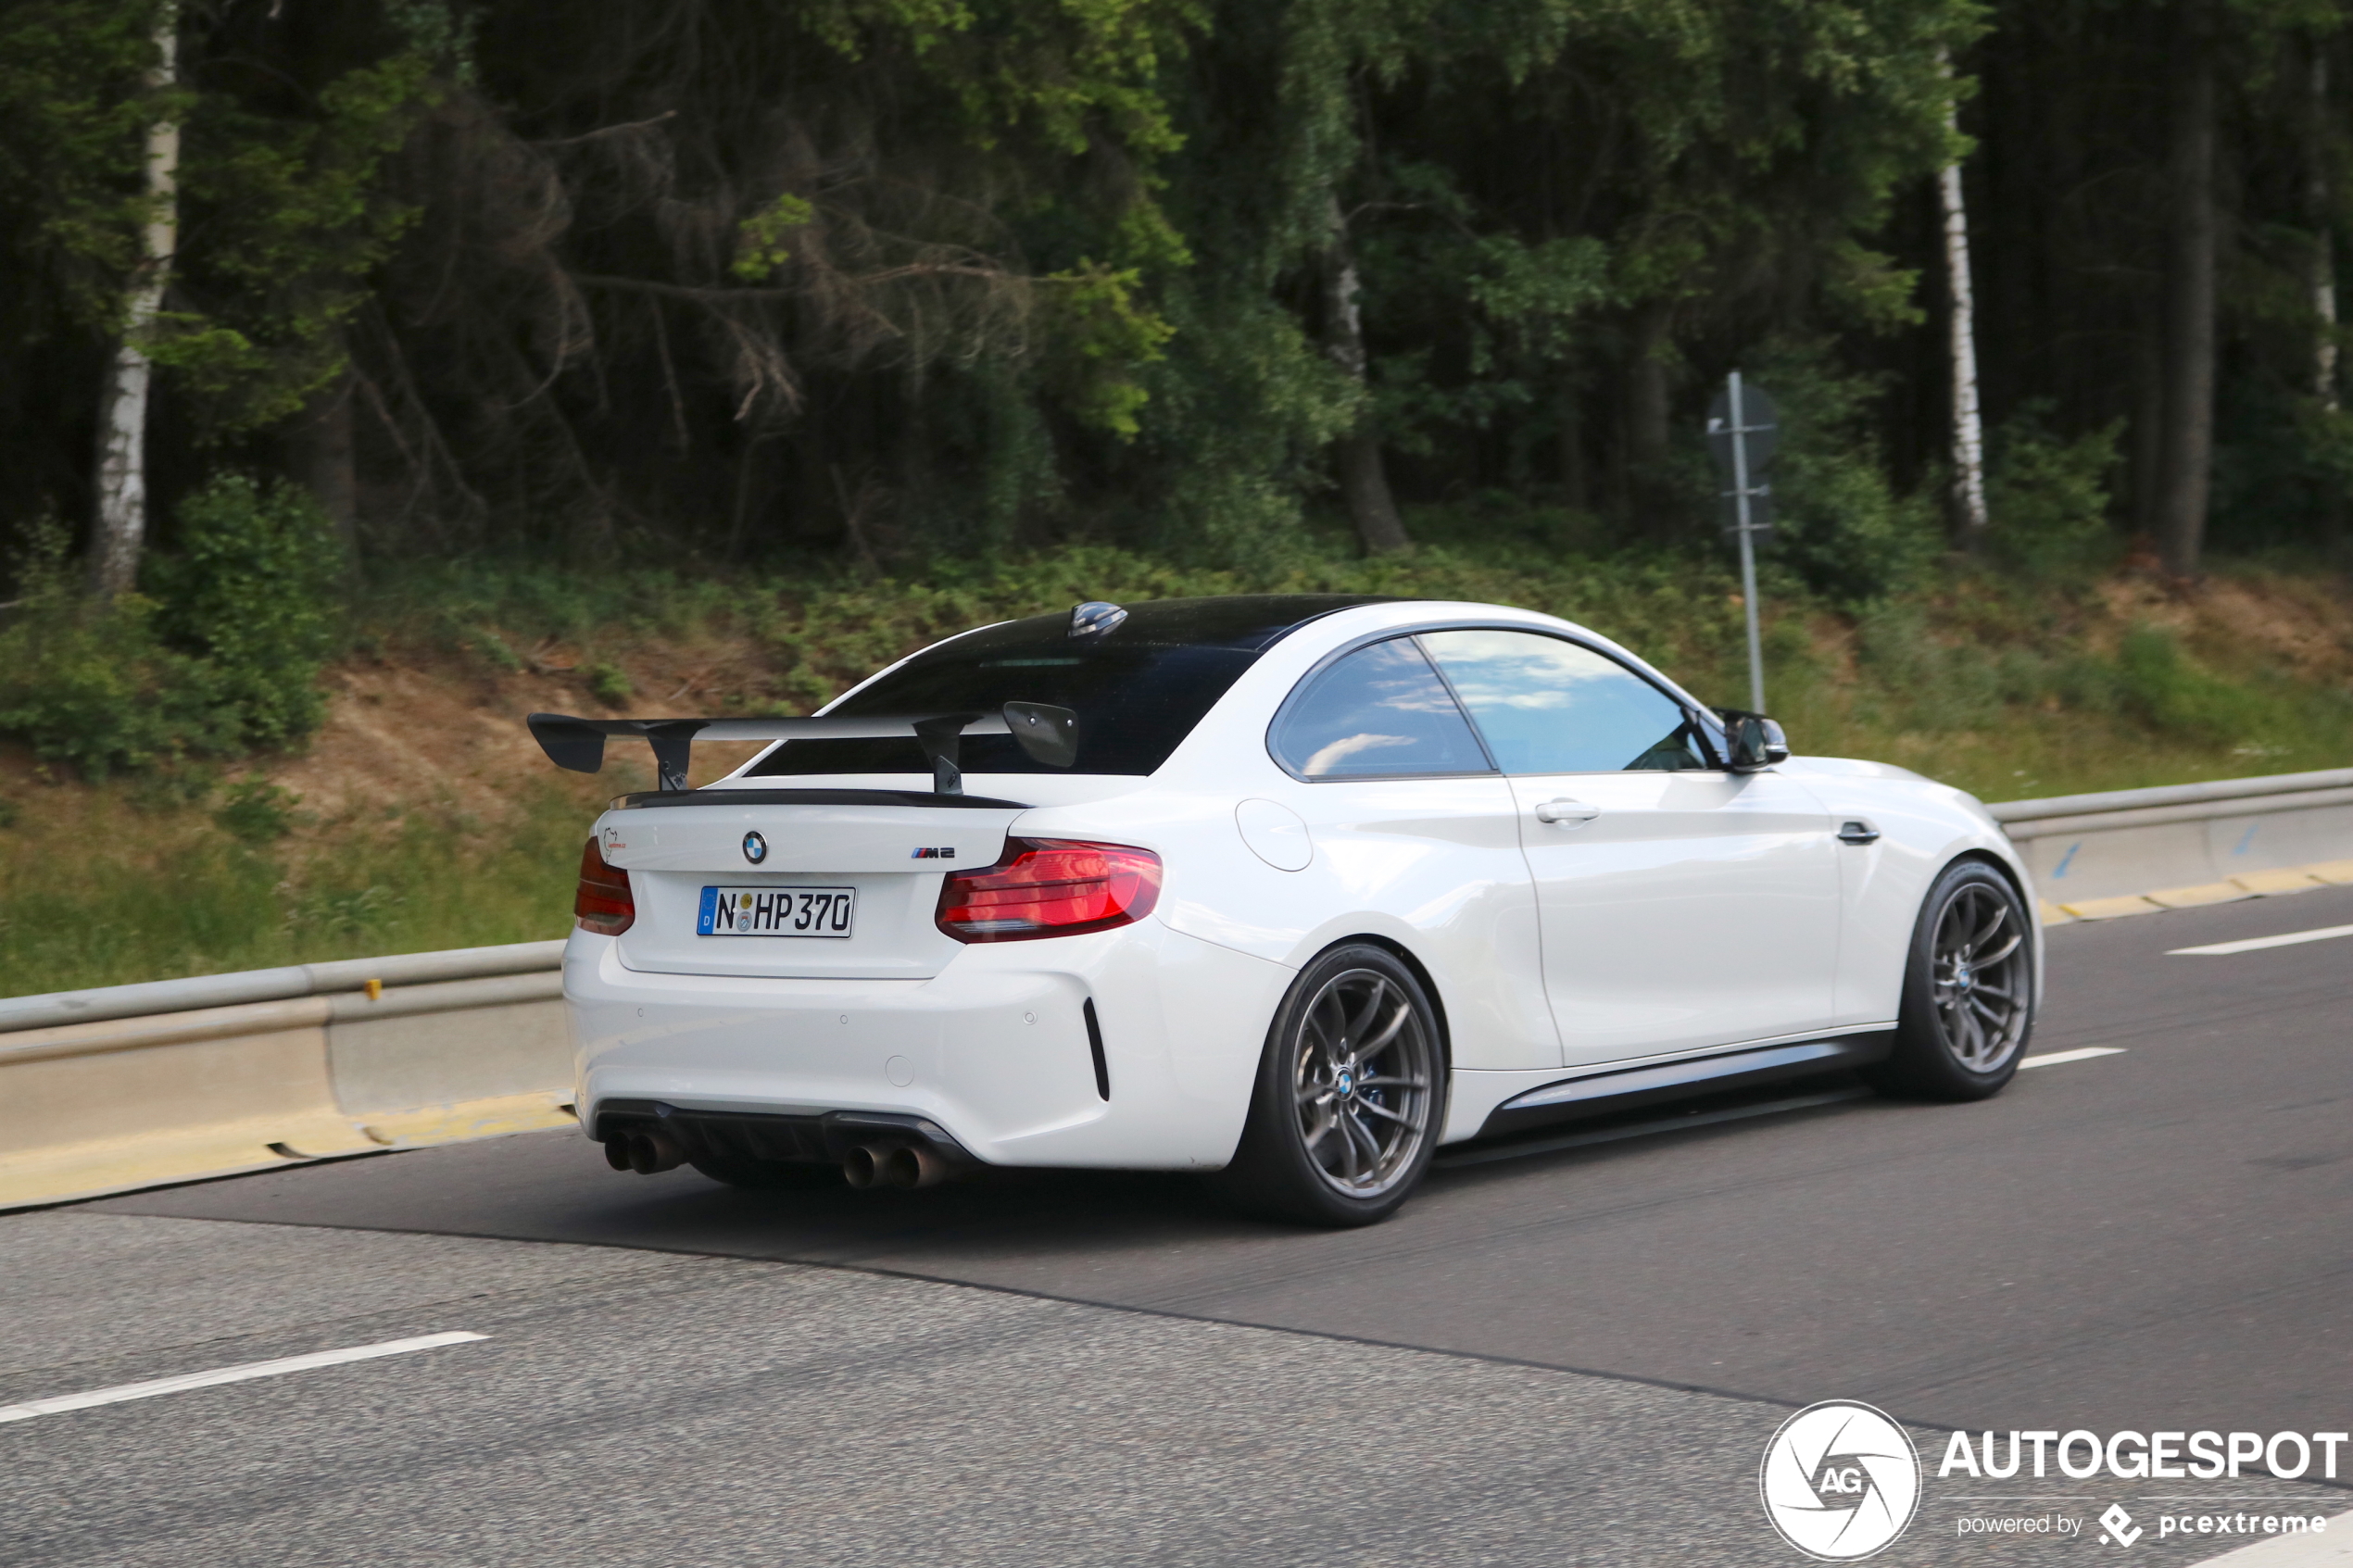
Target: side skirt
{"x": 1600, "y": 1094}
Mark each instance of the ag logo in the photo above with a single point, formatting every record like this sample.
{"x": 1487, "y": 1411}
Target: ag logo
{"x": 1840, "y": 1481}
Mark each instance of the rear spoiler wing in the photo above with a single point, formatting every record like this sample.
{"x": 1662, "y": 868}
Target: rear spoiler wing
{"x": 1048, "y": 734}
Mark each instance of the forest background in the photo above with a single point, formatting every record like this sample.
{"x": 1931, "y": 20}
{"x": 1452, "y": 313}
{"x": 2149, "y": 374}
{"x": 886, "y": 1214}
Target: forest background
{"x": 755, "y": 341}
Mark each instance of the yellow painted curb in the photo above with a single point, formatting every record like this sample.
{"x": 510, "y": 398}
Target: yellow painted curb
{"x": 2248, "y": 884}
{"x": 471, "y": 1119}
{"x": 2204, "y": 893}
{"x": 103, "y": 1165}
{"x": 69, "y": 1172}
{"x": 2289, "y": 880}
{"x": 2110, "y": 908}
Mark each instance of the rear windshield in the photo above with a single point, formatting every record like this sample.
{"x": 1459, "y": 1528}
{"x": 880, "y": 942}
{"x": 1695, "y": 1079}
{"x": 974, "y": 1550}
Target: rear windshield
{"x": 1138, "y": 690}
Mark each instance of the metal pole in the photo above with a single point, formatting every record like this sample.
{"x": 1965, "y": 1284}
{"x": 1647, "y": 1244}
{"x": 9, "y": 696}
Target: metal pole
{"x": 1748, "y": 549}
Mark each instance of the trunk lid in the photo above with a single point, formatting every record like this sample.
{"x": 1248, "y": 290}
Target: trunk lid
{"x": 889, "y": 849}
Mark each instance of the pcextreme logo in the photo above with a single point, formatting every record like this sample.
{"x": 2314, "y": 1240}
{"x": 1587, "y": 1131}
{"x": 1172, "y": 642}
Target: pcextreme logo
{"x": 1840, "y": 1481}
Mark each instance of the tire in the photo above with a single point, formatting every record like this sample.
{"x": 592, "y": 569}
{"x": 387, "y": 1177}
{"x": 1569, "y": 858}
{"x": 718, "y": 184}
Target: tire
{"x": 765, "y": 1175}
{"x": 1969, "y": 990}
{"x": 1326, "y": 1143}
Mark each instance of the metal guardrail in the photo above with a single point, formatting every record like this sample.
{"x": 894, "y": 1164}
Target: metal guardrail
{"x": 2127, "y": 850}
{"x": 2058, "y": 814}
{"x": 126, "y": 1086}
{"x": 175, "y": 1080}
{"x": 274, "y": 985}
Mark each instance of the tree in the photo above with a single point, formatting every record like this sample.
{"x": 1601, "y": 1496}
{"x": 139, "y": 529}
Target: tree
{"x": 122, "y": 521}
{"x": 1969, "y": 431}
{"x": 2320, "y": 214}
{"x": 1363, "y": 480}
{"x": 2186, "y": 457}
{"x": 892, "y": 276}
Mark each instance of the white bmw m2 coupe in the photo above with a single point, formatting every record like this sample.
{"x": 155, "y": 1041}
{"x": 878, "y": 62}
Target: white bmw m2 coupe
{"x": 1292, "y": 890}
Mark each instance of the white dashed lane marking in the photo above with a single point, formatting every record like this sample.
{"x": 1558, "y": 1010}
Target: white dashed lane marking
{"x": 250, "y": 1369}
{"x": 2053, "y": 1059}
{"x": 2223, "y": 949}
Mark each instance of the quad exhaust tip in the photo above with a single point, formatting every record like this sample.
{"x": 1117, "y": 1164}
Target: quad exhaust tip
{"x": 645, "y": 1153}
{"x": 905, "y": 1166}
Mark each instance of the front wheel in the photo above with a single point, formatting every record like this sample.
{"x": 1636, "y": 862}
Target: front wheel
{"x": 1969, "y": 990}
{"x": 1350, "y": 1093}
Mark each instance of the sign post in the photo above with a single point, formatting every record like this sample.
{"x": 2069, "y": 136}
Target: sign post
{"x": 1743, "y": 430}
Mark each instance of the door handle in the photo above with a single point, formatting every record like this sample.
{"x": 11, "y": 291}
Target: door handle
{"x": 1570, "y": 812}
{"x": 1857, "y": 832}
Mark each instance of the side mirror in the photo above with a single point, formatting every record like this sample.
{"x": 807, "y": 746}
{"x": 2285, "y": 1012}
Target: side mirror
{"x": 1755, "y": 741}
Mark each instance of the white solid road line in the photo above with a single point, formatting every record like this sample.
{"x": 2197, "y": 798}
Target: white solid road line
{"x": 2053, "y": 1059}
{"x": 2330, "y": 1549}
{"x": 51, "y": 1406}
{"x": 2222, "y": 949}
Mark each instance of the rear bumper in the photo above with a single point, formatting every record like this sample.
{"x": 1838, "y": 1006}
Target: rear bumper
{"x": 994, "y": 1049}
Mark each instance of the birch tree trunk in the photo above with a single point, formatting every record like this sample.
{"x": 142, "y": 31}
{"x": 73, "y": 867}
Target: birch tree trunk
{"x": 2185, "y": 458}
{"x": 122, "y": 414}
{"x": 1969, "y": 430}
{"x": 1364, "y": 479}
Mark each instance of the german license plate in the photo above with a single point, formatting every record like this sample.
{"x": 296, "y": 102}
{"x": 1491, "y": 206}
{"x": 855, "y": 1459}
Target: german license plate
{"x": 777, "y": 911}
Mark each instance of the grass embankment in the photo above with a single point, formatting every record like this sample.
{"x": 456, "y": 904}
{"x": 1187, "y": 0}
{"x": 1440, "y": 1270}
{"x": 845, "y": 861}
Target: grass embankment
{"x": 421, "y": 816}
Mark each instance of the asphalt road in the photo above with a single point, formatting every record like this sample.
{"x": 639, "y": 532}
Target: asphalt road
{"x": 1573, "y": 1355}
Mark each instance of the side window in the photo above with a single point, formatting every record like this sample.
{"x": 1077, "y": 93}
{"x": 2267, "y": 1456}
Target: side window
{"x": 1547, "y": 706}
{"x": 1381, "y": 711}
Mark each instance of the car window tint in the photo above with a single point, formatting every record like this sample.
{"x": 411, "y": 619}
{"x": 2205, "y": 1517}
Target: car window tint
{"x": 1548, "y": 706}
{"x": 1138, "y": 690}
{"x": 1380, "y": 711}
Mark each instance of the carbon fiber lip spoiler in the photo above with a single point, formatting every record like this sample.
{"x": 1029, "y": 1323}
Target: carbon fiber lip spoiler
{"x": 1049, "y": 734}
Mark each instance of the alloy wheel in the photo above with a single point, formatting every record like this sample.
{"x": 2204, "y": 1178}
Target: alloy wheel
{"x": 1363, "y": 1083}
{"x": 1980, "y": 976}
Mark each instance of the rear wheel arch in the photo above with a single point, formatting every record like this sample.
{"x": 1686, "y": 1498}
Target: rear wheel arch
{"x": 1287, "y": 1167}
{"x": 1421, "y": 971}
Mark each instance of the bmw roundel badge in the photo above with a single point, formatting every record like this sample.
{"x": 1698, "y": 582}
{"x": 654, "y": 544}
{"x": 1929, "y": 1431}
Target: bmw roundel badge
{"x": 755, "y": 848}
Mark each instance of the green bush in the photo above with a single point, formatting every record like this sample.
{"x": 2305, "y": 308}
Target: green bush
{"x": 610, "y": 685}
{"x": 88, "y": 683}
{"x": 257, "y": 811}
{"x": 250, "y": 593}
{"x": 2165, "y": 690}
{"x": 1840, "y": 524}
{"x": 2047, "y": 499}
{"x": 224, "y": 656}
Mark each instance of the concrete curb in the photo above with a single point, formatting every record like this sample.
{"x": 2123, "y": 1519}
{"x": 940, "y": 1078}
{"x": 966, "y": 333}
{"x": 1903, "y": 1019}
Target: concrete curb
{"x": 127, "y": 1100}
{"x": 2095, "y": 857}
{"x": 2253, "y": 884}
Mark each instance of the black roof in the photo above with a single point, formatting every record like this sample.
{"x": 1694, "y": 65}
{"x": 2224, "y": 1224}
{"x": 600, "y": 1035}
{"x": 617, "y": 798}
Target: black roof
{"x": 1250, "y": 622}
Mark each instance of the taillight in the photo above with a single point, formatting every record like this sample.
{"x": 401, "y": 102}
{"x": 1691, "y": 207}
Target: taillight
{"x": 603, "y": 904}
{"x": 1050, "y": 887}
